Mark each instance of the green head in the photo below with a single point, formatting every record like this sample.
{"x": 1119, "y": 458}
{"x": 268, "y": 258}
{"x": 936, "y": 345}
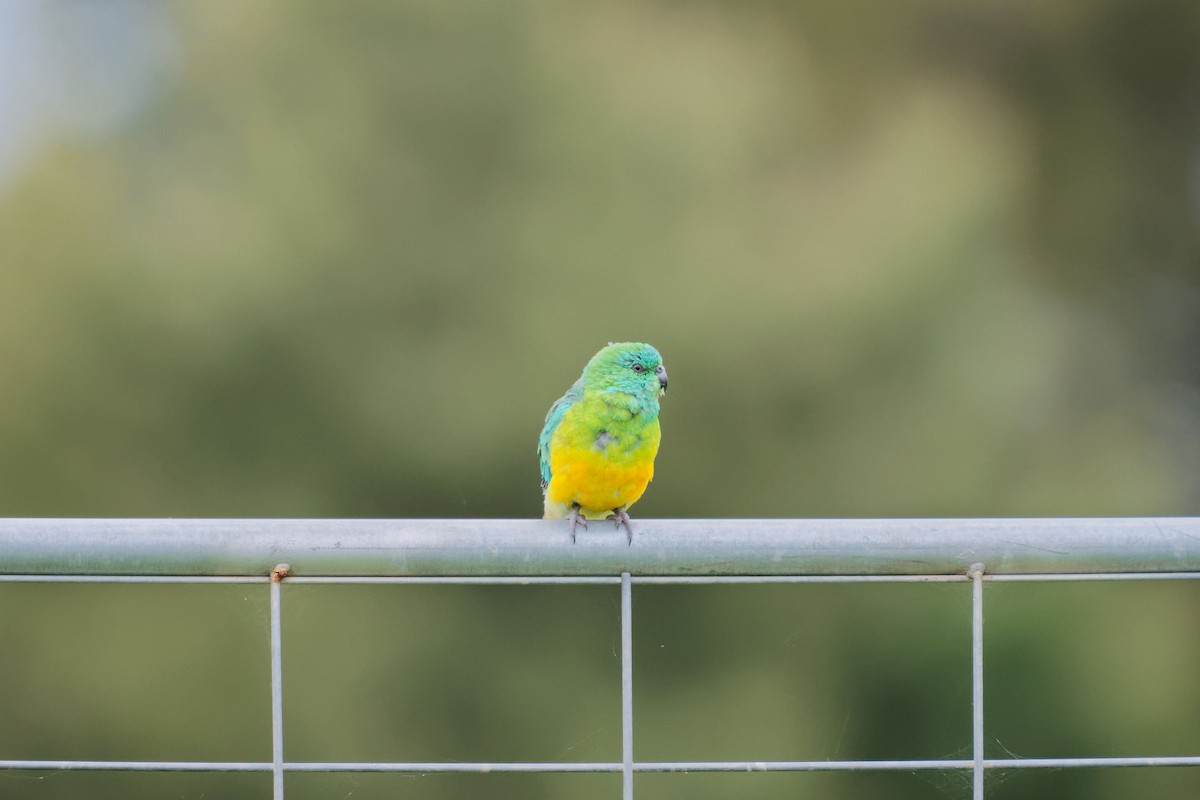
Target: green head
{"x": 630, "y": 367}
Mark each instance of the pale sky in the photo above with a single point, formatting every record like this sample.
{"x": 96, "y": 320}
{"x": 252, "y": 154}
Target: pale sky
{"x": 70, "y": 68}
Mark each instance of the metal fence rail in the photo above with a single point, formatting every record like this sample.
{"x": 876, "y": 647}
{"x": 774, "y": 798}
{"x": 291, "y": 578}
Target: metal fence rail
{"x": 275, "y": 552}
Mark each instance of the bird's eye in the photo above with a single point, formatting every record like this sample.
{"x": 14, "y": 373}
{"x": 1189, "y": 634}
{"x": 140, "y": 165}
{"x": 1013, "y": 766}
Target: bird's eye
{"x": 638, "y": 368}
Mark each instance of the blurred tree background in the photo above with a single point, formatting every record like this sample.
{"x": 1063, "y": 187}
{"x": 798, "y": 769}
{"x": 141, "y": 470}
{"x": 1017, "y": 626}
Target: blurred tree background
{"x": 336, "y": 259}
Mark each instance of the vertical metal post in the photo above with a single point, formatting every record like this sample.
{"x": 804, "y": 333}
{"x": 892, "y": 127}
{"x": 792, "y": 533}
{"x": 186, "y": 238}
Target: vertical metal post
{"x": 277, "y": 576}
{"x": 976, "y": 574}
{"x": 626, "y": 687}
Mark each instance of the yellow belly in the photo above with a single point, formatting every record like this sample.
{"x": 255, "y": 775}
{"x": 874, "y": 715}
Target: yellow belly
{"x": 595, "y": 481}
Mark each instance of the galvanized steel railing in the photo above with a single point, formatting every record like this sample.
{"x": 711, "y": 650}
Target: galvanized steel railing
{"x": 276, "y": 551}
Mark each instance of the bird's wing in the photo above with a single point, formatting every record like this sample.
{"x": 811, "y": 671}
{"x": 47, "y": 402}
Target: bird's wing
{"x": 553, "y": 417}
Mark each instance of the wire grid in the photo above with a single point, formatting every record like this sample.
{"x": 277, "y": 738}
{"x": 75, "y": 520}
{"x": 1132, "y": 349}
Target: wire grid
{"x": 628, "y": 766}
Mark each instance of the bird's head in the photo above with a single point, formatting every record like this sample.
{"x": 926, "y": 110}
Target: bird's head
{"x": 631, "y": 367}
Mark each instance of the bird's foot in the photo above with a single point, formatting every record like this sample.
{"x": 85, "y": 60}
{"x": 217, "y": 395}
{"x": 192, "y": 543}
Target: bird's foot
{"x": 621, "y": 518}
{"x": 576, "y": 518}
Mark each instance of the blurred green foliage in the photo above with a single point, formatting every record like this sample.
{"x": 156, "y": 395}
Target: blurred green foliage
{"x": 912, "y": 259}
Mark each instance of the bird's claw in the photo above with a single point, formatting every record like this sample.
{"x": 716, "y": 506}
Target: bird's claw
{"x": 620, "y": 517}
{"x": 575, "y": 518}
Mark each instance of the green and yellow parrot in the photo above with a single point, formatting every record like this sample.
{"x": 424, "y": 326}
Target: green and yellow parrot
{"x": 598, "y": 445}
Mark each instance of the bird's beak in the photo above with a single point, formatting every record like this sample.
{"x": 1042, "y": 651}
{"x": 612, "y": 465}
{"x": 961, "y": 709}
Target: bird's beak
{"x": 661, "y": 372}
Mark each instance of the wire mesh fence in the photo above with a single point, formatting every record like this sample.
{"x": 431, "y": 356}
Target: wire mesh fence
{"x": 278, "y": 553}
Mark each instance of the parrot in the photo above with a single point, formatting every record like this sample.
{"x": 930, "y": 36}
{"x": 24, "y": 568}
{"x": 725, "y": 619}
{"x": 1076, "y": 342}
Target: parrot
{"x": 597, "y": 448}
